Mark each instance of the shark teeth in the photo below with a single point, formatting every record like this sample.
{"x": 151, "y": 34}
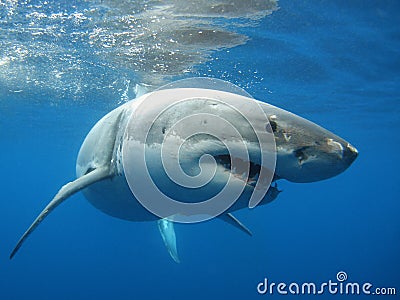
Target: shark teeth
{"x": 245, "y": 171}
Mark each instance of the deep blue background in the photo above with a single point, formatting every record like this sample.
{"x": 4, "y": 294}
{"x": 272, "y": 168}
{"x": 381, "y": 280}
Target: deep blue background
{"x": 334, "y": 62}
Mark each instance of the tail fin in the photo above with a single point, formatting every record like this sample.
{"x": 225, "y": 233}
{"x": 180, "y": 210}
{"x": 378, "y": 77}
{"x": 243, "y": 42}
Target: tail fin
{"x": 66, "y": 191}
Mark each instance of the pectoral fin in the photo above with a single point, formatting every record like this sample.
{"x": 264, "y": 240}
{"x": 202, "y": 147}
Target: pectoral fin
{"x": 167, "y": 231}
{"x": 66, "y": 191}
{"x": 231, "y": 219}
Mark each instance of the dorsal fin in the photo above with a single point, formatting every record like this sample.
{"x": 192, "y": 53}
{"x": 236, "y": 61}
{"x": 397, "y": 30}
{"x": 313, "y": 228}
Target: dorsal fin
{"x": 66, "y": 191}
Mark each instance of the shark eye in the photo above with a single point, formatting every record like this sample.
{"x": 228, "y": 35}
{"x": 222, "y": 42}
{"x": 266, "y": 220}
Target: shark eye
{"x": 273, "y": 126}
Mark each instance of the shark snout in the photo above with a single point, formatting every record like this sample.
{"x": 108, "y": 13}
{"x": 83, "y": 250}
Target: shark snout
{"x": 350, "y": 153}
{"x": 344, "y": 150}
{"x": 319, "y": 160}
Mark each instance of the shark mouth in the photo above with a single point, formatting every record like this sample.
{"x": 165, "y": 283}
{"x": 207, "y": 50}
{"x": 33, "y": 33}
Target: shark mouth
{"x": 243, "y": 170}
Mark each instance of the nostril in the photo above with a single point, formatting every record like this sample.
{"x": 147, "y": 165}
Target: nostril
{"x": 352, "y": 149}
{"x": 351, "y": 152}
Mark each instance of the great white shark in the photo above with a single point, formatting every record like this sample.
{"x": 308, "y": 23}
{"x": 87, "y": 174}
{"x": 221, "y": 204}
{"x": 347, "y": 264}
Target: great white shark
{"x": 305, "y": 152}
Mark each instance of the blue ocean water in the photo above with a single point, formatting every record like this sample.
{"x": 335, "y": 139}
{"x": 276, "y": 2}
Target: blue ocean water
{"x": 334, "y": 62}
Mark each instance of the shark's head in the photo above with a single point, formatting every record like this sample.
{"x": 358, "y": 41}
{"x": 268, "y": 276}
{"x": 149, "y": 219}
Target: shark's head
{"x": 307, "y": 152}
